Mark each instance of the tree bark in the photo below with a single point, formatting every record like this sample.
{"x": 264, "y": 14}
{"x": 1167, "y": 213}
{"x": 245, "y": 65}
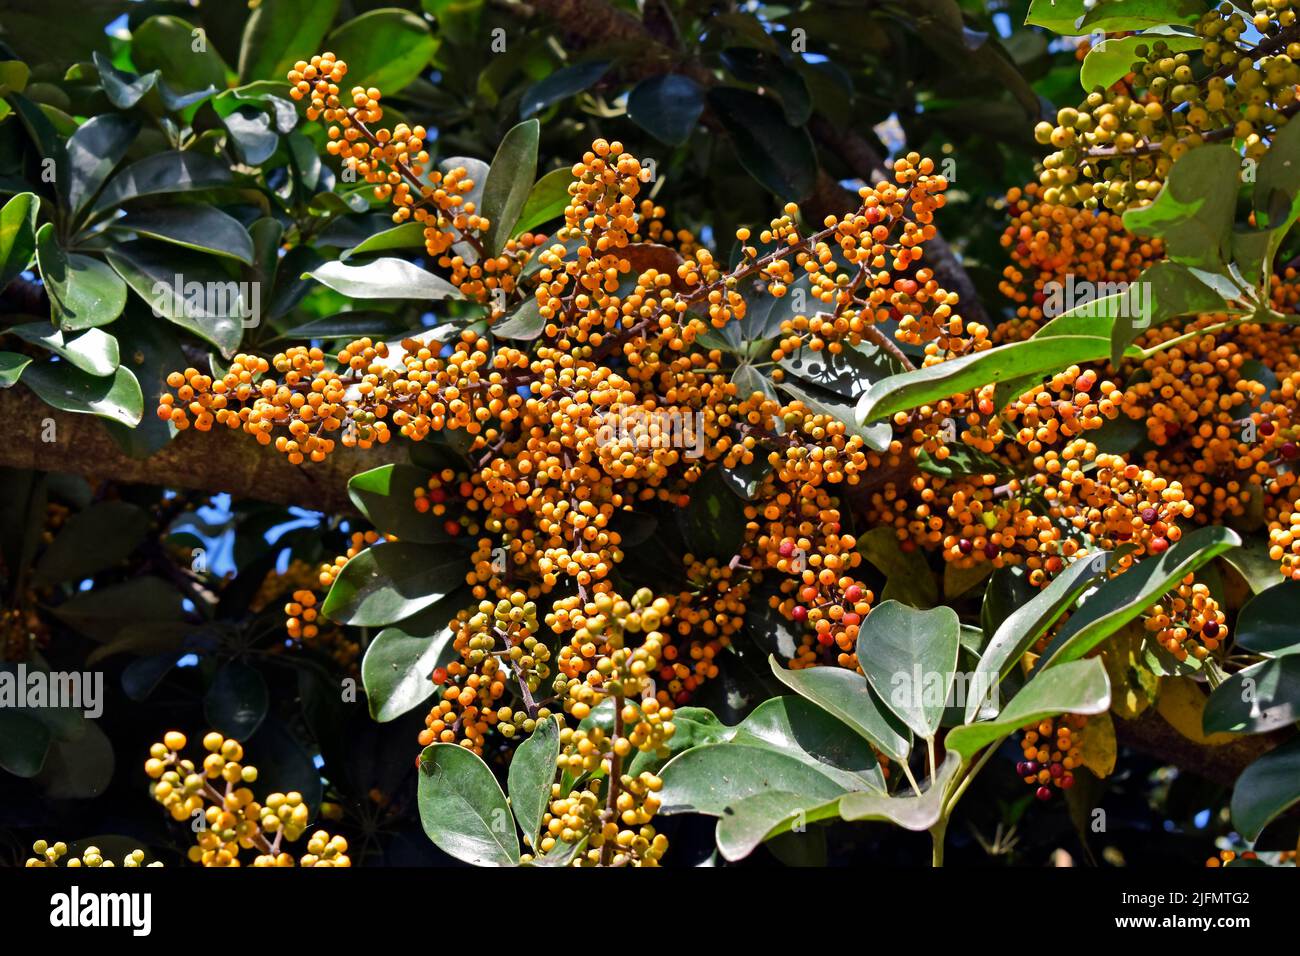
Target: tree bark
{"x": 1223, "y": 763}
{"x": 216, "y": 461}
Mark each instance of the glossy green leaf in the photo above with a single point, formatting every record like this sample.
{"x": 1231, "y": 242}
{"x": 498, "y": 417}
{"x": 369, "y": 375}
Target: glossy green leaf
{"x": 711, "y": 778}
{"x": 805, "y": 729}
{"x": 1015, "y": 360}
{"x": 532, "y": 771}
{"x": 93, "y": 151}
{"x": 1060, "y": 16}
{"x": 409, "y": 235}
{"x": 17, "y": 235}
{"x": 462, "y": 808}
{"x": 384, "y": 279}
{"x": 392, "y": 581}
{"x": 396, "y": 671}
{"x": 11, "y": 368}
{"x": 200, "y": 227}
{"x": 181, "y": 52}
{"x": 764, "y": 815}
{"x": 93, "y": 351}
{"x": 509, "y": 182}
{"x": 1026, "y": 623}
{"x": 1268, "y": 788}
{"x": 909, "y": 658}
{"x": 188, "y": 289}
{"x": 162, "y": 173}
{"x": 667, "y": 107}
{"x": 523, "y": 325}
{"x": 386, "y": 496}
{"x": 123, "y": 89}
{"x": 1118, "y": 16}
{"x": 560, "y": 85}
{"x": 546, "y": 200}
{"x": 908, "y": 577}
{"x": 1171, "y": 290}
{"x": 848, "y": 696}
{"x": 1113, "y": 58}
{"x": 1194, "y": 210}
{"x": 1123, "y": 598}
{"x": 909, "y": 812}
{"x": 780, "y": 156}
{"x": 281, "y": 32}
{"x": 1267, "y": 623}
{"x": 116, "y": 397}
{"x": 386, "y": 48}
{"x": 83, "y": 291}
{"x": 877, "y": 436}
{"x": 1263, "y": 697}
{"x": 1076, "y": 687}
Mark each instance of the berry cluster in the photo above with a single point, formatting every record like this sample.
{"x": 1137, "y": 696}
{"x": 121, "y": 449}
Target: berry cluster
{"x": 51, "y": 855}
{"x": 1052, "y": 753}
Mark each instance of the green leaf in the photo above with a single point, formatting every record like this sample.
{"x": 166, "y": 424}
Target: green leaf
{"x": 560, "y": 85}
{"x": 83, "y": 291}
{"x": 667, "y": 107}
{"x": 281, "y": 32}
{"x": 804, "y": 729}
{"x": 24, "y": 743}
{"x": 1024, "y": 625}
{"x": 909, "y": 812}
{"x": 386, "y": 496}
{"x": 409, "y": 235}
{"x": 695, "y": 726}
{"x": 78, "y": 769}
{"x": 254, "y": 138}
{"x": 17, "y": 235}
{"x": 1263, "y": 697}
{"x": 386, "y": 48}
{"x": 1267, "y": 623}
{"x": 1266, "y": 789}
{"x": 1253, "y": 563}
{"x": 1015, "y": 360}
{"x": 711, "y": 778}
{"x": 123, "y": 89}
{"x": 237, "y": 702}
{"x": 390, "y": 582}
{"x": 1123, "y": 598}
{"x": 878, "y": 436}
{"x": 462, "y": 808}
{"x": 509, "y": 181}
{"x": 714, "y": 520}
{"x": 1113, "y": 58}
{"x": 780, "y": 156}
{"x": 116, "y": 397}
{"x": 848, "y": 697}
{"x": 92, "y": 540}
{"x": 399, "y": 661}
{"x": 909, "y": 658}
{"x": 532, "y": 771}
{"x": 200, "y": 227}
{"x": 1171, "y": 290}
{"x": 1076, "y": 687}
{"x": 183, "y": 54}
{"x": 162, "y": 173}
{"x": 523, "y": 325}
{"x": 1194, "y": 210}
{"x": 92, "y": 151}
{"x": 11, "y": 368}
{"x": 546, "y": 200}
{"x": 384, "y": 279}
{"x": 1119, "y": 16}
{"x": 764, "y": 815}
{"x": 168, "y": 280}
{"x": 93, "y": 351}
{"x": 908, "y": 577}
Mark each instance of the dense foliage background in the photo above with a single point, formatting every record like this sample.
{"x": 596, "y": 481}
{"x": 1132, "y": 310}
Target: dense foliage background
{"x": 160, "y": 140}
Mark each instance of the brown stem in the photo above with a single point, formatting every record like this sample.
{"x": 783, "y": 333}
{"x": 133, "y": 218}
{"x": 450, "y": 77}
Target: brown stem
{"x": 615, "y": 773}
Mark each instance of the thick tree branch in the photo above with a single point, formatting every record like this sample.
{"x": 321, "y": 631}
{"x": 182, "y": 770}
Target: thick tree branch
{"x": 220, "y": 460}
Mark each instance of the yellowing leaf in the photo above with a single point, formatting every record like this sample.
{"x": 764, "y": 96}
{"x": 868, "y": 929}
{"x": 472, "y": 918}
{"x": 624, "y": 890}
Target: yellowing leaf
{"x": 1099, "y": 747}
{"x": 1181, "y": 702}
{"x": 1132, "y": 685}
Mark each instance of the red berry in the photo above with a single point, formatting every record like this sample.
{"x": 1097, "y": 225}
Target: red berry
{"x": 800, "y": 613}
{"x": 1067, "y": 781}
{"x": 1043, "y": 793}
{"x": 1267, "y": 428}
{"x": 991, "y": 551}
{"x": 786, "y": 549}
{"x": 439, "y": 675}
{"x": 1158, "y": 545}
{"x": 1211, "y": 629}
{"x": 825, "y": 639}
{"x": 853, "y": 594}
{"x": 965, "y": 546}
{"x": 1149, "y": 515}
{"x": 1288, "y": 451}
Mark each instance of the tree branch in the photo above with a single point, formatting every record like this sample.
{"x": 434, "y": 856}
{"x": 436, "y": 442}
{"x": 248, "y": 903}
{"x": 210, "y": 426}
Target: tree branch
{"x": 215, "y": 461}
{"x": 1223, "y": 763}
